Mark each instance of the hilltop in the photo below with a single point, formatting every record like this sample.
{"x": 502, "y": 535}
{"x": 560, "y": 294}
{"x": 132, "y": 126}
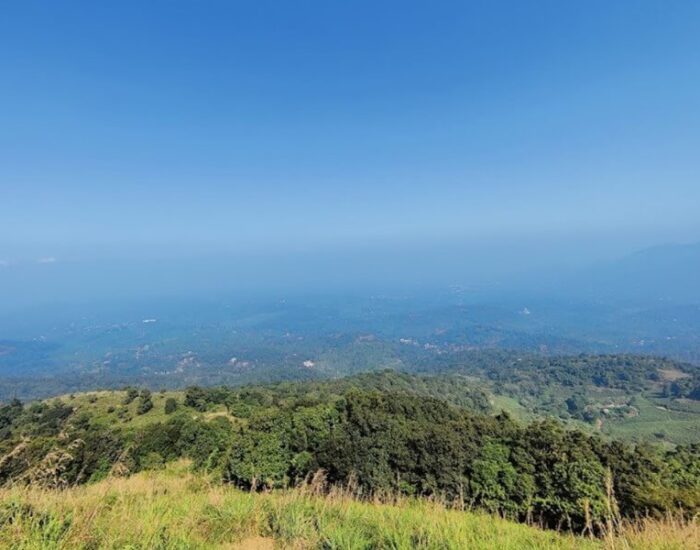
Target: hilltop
{"x": 435, "y": 437}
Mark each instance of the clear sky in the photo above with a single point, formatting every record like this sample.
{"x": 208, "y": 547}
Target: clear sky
{"x": 282, "y": 126}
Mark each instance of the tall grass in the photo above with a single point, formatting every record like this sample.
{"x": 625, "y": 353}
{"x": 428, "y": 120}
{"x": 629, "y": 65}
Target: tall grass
{"x": 174, "y": 509}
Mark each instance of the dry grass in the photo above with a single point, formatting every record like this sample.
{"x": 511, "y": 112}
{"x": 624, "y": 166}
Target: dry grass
{"x": 670, "y": 533}
{"x": 176, "y": 509}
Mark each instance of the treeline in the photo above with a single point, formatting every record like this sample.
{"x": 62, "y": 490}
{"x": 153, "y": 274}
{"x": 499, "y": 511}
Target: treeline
{"x": 375, "y": 441}
{"x": 424, "y": 447}
{"x": 453, "y": 388}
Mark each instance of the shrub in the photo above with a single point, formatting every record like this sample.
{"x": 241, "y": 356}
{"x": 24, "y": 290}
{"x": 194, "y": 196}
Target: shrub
{"x": 145, "y": 405}
{"x": 131, "y": 394}
{"x": 170, "y": 405}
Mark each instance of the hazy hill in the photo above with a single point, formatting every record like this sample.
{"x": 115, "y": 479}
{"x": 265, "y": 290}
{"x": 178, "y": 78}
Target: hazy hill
{"x": 667, "y": 273}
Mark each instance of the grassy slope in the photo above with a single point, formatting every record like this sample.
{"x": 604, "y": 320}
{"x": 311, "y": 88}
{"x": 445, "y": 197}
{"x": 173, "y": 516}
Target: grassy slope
{"x": 99, "y": 403}
{"x": 176, "y": 509}
{"x": 657, "y": 420}
{"x": 511, "y": 406}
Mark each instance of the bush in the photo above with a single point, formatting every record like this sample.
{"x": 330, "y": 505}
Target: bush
{"x": 131, "y": 394}
{"x": 145, "y": 405}
{"x": 170, "y": 405}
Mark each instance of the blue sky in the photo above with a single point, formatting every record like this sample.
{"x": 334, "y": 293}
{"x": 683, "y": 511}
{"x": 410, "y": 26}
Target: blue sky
{"x": 283, "y": 126}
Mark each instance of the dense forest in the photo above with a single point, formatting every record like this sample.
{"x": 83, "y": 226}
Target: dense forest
{"x": 377, "y": 433}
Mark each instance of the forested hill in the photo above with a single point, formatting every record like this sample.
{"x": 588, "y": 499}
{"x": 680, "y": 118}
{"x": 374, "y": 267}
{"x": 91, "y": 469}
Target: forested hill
{"x": 367, "y": 431}
{"x": 634, "y": 397}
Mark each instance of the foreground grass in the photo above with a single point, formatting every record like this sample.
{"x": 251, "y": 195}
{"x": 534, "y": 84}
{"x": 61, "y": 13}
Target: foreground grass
{"x": 178, "y": 510}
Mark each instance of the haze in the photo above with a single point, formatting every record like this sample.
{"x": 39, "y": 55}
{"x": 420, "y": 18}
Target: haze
{"x": 172, "y": 147}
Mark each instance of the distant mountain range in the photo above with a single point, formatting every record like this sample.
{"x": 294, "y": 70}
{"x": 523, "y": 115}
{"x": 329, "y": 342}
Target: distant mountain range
{"x": 668, "y": 273}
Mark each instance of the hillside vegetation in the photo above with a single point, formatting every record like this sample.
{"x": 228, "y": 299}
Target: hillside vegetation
{"x": 381, "y": 434}
{"x": 175, "y": 509}
{"x": 633, "y": 397}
